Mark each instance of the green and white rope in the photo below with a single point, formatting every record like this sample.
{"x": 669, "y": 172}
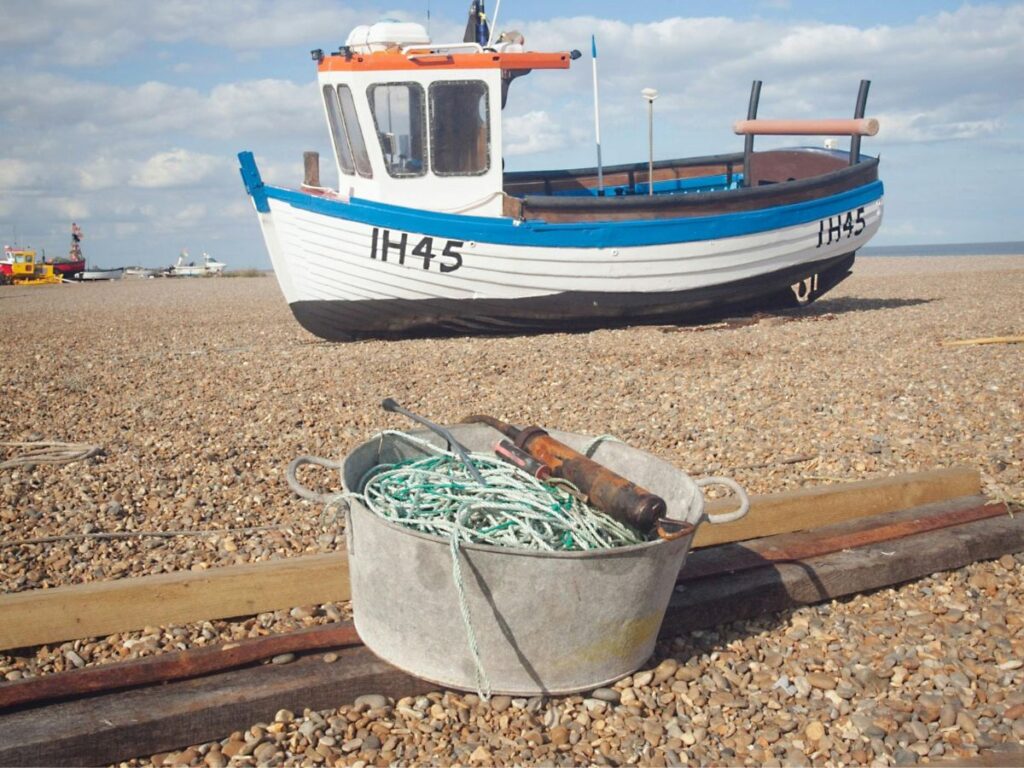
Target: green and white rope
{"x": 436, "y": 494}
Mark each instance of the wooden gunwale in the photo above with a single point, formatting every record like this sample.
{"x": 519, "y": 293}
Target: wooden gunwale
{"x": 780, "y": 183}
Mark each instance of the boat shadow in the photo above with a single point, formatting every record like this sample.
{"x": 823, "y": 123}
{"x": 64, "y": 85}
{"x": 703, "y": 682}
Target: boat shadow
{"x": 845, "y": 304}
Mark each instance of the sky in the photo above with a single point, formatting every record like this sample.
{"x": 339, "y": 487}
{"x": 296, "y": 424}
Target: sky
{"x": 127, "y": 117}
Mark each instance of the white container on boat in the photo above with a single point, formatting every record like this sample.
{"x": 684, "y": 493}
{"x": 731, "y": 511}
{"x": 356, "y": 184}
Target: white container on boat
{"x": 546, "y": 622}
{"x": 368, "y": 38}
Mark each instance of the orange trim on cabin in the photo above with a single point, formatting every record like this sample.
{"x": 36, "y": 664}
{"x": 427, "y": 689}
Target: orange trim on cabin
{"x": 388, "y": 60}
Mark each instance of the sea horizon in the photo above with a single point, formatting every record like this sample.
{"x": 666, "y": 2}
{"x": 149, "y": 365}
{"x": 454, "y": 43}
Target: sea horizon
{"x": 1004, "y": 248}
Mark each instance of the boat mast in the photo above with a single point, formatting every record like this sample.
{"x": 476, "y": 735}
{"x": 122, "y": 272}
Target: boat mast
{"x": 75, "y": 253}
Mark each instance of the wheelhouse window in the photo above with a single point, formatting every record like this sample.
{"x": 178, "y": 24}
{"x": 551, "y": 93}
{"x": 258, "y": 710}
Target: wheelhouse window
{"x": 399, "y": 114}
{"x": 460, "y": 128}
{"x": 360, "y": 156}
{"x": 341, "y": 145}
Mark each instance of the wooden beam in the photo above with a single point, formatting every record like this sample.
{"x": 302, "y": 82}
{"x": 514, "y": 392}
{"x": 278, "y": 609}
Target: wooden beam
{"x": 99, "y": 730}
{"x": 705, "y": 603}
{"x": 987, "y": 340}
{"x": 102, "y": 608}
{"x": 141, "y": 722}
{"x": 176, "y": 665}
{"x": 822, "y": 505}
{"x": 788, "y": 547}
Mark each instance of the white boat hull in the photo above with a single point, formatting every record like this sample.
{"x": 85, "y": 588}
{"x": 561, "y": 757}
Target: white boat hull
{"x": 334, "y": 274}
{"x": 94, "y": 275}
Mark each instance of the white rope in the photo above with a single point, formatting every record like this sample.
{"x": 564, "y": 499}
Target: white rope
{"x": 49, "y": 453}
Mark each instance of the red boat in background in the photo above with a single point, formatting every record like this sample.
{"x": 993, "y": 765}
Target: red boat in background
{"x": 74, "y": 263}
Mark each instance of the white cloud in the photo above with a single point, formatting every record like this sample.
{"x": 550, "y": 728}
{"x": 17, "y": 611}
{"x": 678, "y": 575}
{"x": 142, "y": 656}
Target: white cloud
{"x": 69, "y": 208}
{"x": 190, "y": 215}
{"x": 532, "y": 132}
{"x": 101, "y": 172}
{"x": 98, "y": 32}
{"x": 175, "y": 168}
{"x": 934, "y": 126}
{"x": 16, "y": 173}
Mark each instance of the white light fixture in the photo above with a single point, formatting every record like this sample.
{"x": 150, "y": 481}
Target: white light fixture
{"x": 650, "y": 94}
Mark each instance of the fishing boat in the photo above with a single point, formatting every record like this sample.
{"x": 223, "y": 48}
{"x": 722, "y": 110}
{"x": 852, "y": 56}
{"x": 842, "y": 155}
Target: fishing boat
{"x": 426, "y": 234}
{"x": 98, "y": 273}
{"x": 73, "y": 264}
{"x": 185, "y": 268}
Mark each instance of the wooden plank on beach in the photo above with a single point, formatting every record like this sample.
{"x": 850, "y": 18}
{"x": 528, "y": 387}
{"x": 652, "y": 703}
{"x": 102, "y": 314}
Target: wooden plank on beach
{"x": 176, "y": 665}
{"x": 102, "y": 608}
{"x": 113, "y": 727}
{"x": 753, "y": 553}
{"x": 117, "y": 726}
{"x": 704, "y": 603}
{"x": 986, "y": 340}
{"x": 822, "y": 505}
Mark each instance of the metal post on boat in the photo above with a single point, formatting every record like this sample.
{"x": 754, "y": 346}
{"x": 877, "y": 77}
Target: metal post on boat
{"x": 597, "y": 119}
{"x": 748, "y": 142}
{"x": 311, "y": 163}
{"x": 858, "y": 113}
{"x": 494, "y": 24}
{"x": 650, "y": 94}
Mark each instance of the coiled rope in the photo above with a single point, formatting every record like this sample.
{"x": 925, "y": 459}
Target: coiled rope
{"x": 437, "y": 495}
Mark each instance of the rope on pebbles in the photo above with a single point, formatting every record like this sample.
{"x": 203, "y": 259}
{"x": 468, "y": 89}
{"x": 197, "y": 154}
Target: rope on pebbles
{"x": 49, "y": 453}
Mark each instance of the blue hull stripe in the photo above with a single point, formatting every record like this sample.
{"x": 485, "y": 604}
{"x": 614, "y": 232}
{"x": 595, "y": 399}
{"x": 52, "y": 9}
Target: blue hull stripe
{"x": 613, "y": 234}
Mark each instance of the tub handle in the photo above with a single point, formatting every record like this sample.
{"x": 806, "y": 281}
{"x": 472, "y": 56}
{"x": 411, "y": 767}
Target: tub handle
{"x": 727, "y": 517}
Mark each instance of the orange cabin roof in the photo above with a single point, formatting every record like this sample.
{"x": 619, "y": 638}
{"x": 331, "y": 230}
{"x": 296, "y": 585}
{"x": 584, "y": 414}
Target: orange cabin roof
{"x": 393, "y": 60}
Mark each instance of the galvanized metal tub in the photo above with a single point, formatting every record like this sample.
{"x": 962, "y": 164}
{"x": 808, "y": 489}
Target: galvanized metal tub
{"x": 546, "y": 623}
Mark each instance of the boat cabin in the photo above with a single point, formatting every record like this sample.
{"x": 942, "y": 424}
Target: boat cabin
{"x": 416, "y": 124}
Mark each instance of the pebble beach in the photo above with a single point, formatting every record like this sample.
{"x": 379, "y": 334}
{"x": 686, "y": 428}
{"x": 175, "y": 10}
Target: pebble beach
{"x": 199, "y": 393}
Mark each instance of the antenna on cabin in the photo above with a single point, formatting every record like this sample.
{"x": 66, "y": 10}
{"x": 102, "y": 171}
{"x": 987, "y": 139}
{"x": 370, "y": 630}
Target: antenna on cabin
{"x": 494, "y": 24}
{"x": 650, "y": 94}
{"x": 597, "y": 119}
{"x": 428, "y": 18}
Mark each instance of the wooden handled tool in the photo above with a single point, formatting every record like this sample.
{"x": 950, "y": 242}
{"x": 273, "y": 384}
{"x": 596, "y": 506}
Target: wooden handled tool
{"x": 607, "y": 491}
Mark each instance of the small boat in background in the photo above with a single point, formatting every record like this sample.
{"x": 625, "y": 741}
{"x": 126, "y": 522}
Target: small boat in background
{"x": 427, "y": 234}
{"x": 89, "y": 275}
{"x": 185, "y": 268}
{"x": 74, "y": 263}
{"x": 141, "y": 272}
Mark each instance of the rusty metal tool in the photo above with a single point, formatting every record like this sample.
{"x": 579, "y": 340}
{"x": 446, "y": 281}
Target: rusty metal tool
{"x": 607, "y": 491}
{"x": 389, "y": 404}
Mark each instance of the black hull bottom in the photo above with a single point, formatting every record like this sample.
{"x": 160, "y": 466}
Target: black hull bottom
{"x": 571, "y": 311}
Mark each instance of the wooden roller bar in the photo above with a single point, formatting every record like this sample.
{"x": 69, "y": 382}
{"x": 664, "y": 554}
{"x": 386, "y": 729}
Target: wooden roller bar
{"x": 867, "y": 126}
